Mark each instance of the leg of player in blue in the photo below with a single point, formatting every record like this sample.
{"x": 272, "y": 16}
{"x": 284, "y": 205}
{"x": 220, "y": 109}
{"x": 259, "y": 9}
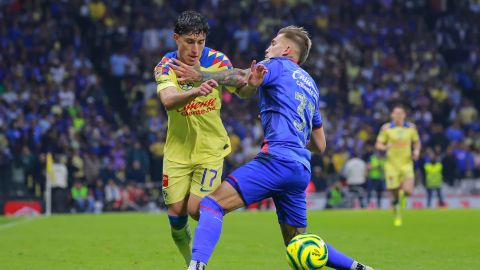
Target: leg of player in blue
{"x": 263, "y": 177}
{"x": 209, "y": 229}
{"x": 338, "y": 260}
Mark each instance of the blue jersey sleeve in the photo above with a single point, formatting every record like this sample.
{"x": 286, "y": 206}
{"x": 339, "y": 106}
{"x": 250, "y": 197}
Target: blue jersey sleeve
{"x": 274, "y": 70}
{"x": 317, "y": 121}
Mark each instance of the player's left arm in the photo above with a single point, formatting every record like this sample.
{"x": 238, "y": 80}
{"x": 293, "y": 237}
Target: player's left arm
{"x": 417, "y": 145}
{"x": 230, "y": 77}
{"x": 318, "y": 142}
{"x": 233, "y": 77}
{"x": 254, "y": 80}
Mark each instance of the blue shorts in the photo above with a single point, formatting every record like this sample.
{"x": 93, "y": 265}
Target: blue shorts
{"x": 283, "y": 180}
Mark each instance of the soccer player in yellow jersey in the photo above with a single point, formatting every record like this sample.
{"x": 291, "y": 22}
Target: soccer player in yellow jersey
{"x": 197, "y": 141}
{"x": 397, "y": 138}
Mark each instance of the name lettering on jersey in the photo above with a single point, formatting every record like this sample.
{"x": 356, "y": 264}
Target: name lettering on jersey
{"x": 198, "y": 107}
{"x": 304, "y": 82}
{"x": 400, "y": 144}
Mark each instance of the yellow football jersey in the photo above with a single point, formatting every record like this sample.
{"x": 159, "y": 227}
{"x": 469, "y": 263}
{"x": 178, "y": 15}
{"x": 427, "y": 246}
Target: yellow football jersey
{"x": 399, "y": 139}
{"x": 195, "y": 132}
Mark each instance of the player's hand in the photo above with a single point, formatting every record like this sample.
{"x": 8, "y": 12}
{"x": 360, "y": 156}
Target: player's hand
{"x": 186, "y": 73}
{"x": 205, "y": 88}
{"x": 256, "y": 74}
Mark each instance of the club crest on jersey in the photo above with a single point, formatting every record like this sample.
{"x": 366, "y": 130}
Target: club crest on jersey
{"x": 186, "y": 86}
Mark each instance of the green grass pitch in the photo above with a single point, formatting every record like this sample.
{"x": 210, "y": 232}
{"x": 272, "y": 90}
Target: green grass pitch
{"x": 429, "y": 239}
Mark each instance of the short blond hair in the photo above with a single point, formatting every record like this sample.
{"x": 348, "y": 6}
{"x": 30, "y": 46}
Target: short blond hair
{"x": 301, "y": 38}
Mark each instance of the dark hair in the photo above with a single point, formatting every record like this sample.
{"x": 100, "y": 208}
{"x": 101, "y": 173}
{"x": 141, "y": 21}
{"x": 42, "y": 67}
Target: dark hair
{"x": 191, "y": 22}
{"x": 399, "y": 106}
{"x": 301, "y": 38}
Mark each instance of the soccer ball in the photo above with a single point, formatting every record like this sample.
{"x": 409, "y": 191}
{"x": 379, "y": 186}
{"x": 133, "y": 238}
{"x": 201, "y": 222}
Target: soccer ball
{"x": 306, "y": 252}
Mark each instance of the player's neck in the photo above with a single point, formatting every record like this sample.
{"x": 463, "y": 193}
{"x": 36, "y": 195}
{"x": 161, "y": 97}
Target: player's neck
{"x": 400, "y": 123}
{"x": 291, "y": 58}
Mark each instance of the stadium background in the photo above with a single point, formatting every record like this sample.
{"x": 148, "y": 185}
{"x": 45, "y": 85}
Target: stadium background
{"x": 76, "y": 80}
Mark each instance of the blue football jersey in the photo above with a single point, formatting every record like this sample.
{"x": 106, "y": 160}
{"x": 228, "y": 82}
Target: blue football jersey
{"x": 289, "y": 108}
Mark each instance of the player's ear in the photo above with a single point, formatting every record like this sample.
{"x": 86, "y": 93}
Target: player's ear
{"x": 287, "y": 51}
{"x": 176, "y": 36}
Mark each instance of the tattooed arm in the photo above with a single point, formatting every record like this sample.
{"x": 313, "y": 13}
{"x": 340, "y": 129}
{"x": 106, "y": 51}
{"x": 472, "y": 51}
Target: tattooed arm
{"x": 231, "y": 77}
{"x": 235, "y": 77}
{"x": 254, "y": 78}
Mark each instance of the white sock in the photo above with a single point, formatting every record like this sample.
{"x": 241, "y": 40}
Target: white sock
{"x": 197, "y": 265}
{"x": 358, "y": 266}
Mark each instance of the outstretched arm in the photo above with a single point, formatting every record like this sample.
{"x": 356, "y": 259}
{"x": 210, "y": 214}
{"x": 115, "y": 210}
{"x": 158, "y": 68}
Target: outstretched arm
{"x": 254, "y": 79}
{"x": 231, "y": 77}
{"x": 245, "y": 81}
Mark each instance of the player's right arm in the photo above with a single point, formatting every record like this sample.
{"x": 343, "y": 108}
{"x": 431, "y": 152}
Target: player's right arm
{"x": 167, "y": 90}
{"x": 173, "y": 99}
{"x": 382, "y": 140}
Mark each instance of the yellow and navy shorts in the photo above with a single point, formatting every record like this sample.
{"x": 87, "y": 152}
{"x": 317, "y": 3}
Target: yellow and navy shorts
{"x": 180, "y": 180}
{"x": 396, "y": 175}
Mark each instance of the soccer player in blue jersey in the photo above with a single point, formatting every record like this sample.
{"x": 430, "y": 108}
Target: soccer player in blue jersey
{"x": 289, "y": 108}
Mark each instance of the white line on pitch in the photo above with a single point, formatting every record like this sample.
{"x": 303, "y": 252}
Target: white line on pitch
{"x": 16, "y": 223}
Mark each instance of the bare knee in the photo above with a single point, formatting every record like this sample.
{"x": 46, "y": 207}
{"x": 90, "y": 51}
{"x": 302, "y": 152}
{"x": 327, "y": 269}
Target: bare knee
{"x": 193, "y": 211}
{"x": 177, "y": 209}
{"x": 227, "y": 197}
{"x": 193, "y": 208}
{"x": 407, "y": 186}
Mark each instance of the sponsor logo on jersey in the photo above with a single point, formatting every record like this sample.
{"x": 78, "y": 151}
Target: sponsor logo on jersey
{"x": 304, "y": 81}
{"x": 198, "y": 107}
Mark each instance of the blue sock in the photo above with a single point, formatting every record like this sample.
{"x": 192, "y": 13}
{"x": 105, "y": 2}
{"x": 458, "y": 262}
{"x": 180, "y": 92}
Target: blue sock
{"x": 338, "y": 260}
{"x": 178, "y": 222}
{"x": 208, "y": 230}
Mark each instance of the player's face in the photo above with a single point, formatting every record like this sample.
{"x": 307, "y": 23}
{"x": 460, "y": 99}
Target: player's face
{"x": 279, "y": 46}
{"x": 398, "y": 115}
{"x": 190, "y": 47}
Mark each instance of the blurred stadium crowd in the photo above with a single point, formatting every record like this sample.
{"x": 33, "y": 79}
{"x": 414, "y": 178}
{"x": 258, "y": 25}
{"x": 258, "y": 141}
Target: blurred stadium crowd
{"x": 76, "y": 79}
